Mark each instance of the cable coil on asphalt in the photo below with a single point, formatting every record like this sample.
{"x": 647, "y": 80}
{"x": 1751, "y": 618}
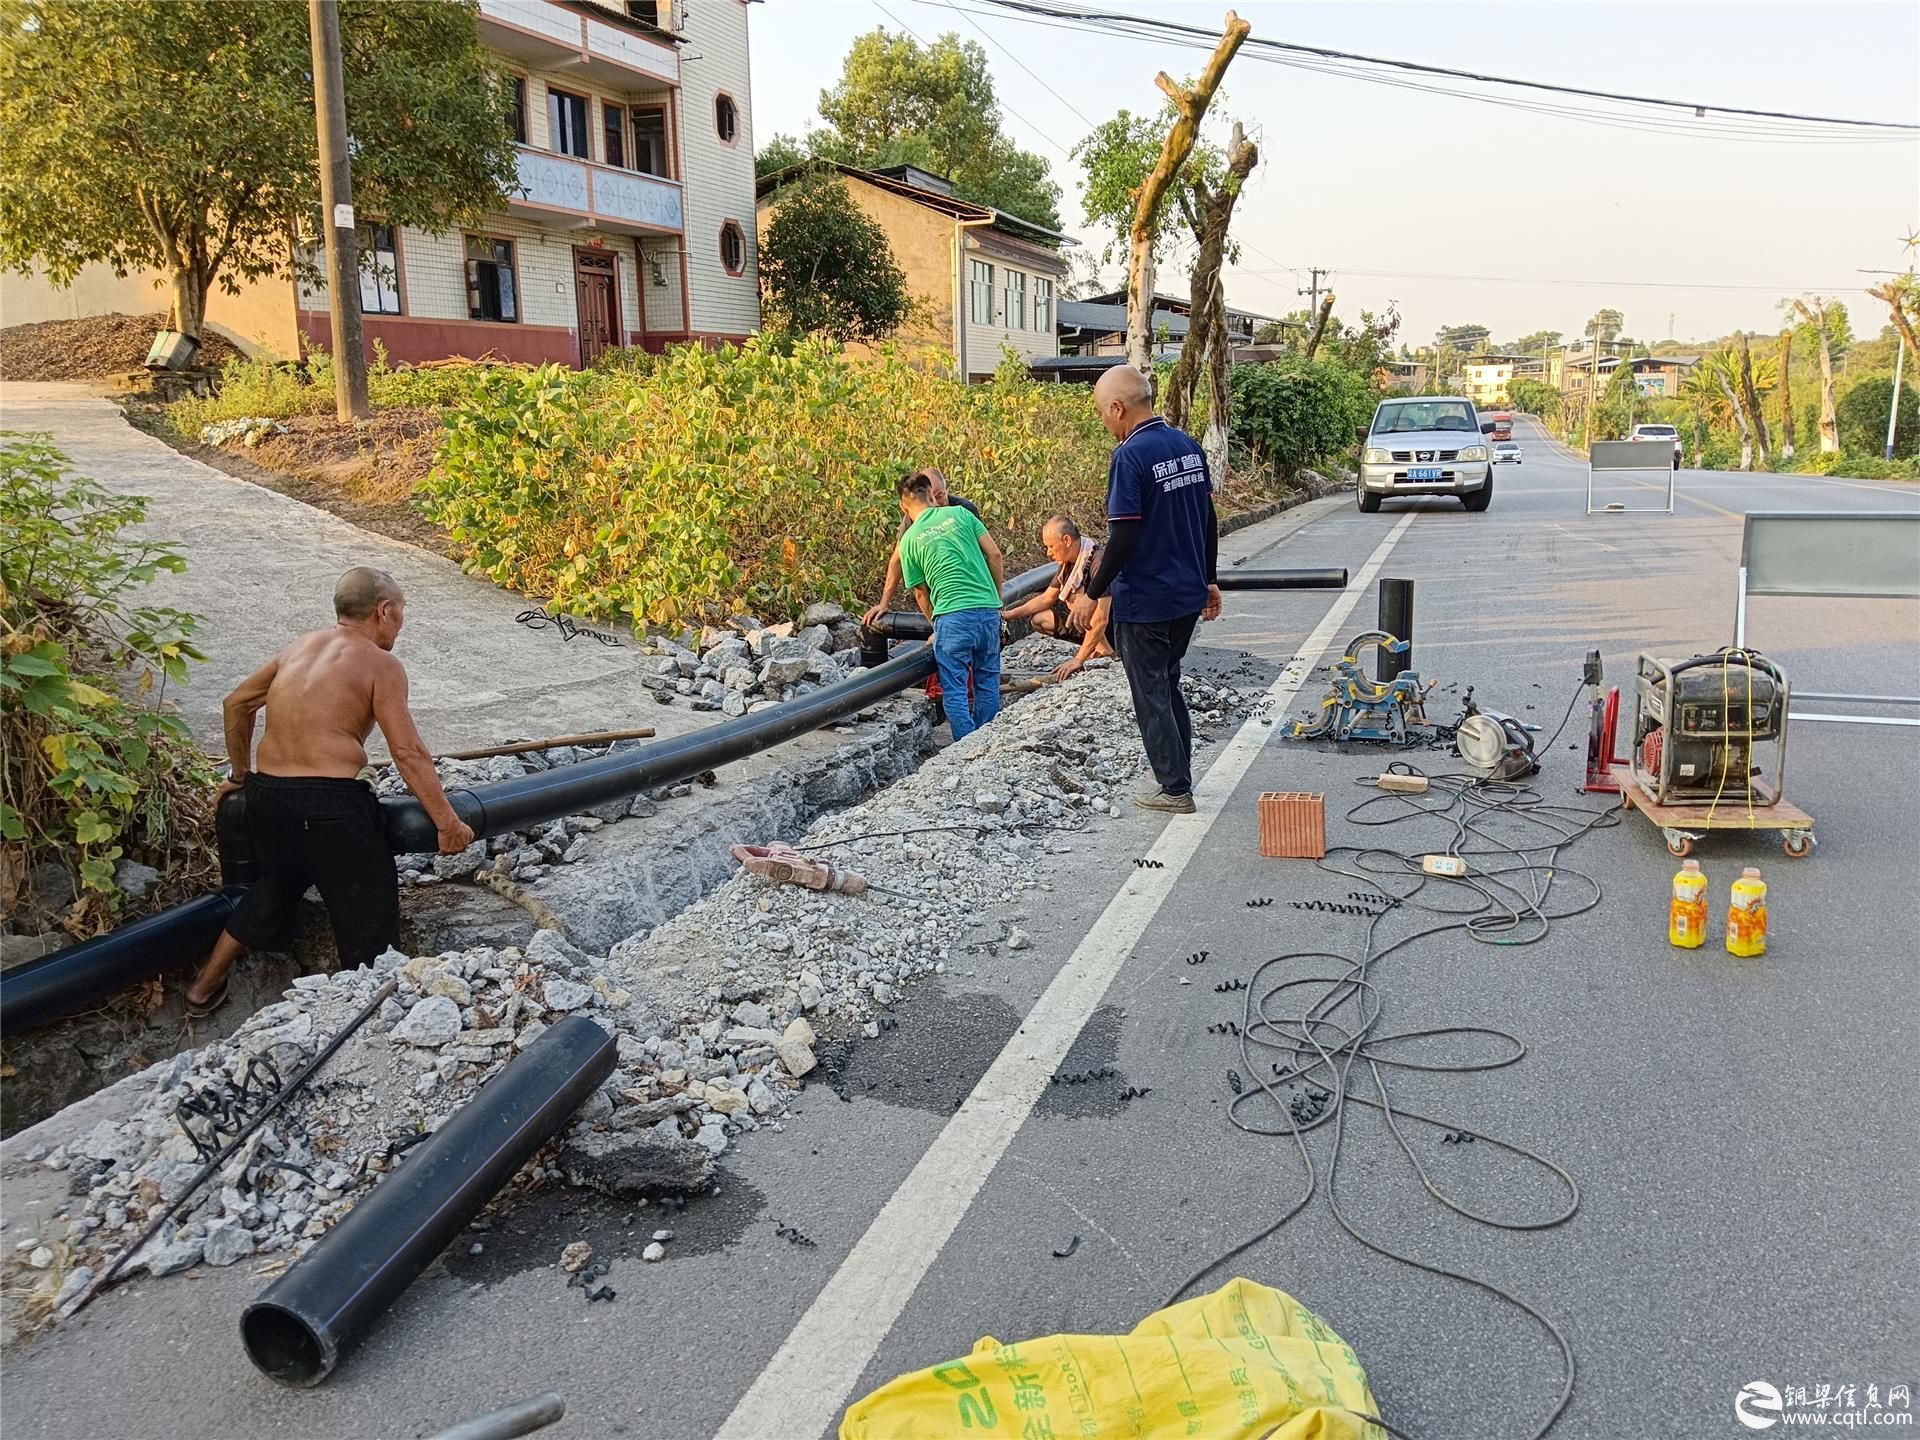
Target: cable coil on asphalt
{"x": 1325, "y": 1032}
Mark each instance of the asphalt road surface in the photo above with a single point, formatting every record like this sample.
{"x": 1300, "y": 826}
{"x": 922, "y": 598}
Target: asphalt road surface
{"x": 1740, "y": 1132}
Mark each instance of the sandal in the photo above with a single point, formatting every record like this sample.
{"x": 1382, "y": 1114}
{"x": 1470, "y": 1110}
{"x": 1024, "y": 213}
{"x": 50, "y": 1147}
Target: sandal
{"x": 200, "y": 1011}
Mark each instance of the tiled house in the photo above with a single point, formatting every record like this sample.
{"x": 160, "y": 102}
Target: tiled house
{"x": 632, "y": 223}
{"x": 987, "y": 281}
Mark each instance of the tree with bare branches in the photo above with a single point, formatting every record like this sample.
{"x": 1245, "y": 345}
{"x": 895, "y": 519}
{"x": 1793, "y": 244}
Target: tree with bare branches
{"x": 1814, "y": 313}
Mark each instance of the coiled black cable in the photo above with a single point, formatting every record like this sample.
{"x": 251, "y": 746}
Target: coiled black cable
{"x": 1324, "y": 1027}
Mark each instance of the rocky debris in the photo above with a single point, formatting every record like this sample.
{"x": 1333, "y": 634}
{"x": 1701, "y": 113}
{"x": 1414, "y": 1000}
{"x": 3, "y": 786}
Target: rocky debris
{"x": 134, "y": 878}
{"x": 576, "y": 1255}
{"x": 631, "y": 1165}
{"x": 249, "y": 430}
{"x": 654, "y": 1253}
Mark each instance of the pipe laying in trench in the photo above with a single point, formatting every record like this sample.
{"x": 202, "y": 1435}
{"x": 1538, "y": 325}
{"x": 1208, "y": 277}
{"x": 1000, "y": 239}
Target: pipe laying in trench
{"x": 78, "y": 976}
{"x": 299, "y": 1328}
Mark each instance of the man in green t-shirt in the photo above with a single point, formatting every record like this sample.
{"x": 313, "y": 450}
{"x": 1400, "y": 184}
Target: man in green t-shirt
{"x": 955, "y": 571}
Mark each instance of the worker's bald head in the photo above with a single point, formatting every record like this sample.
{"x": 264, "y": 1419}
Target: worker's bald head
{"x": 1124, "y": 397}
{"x": 360, "y": 591}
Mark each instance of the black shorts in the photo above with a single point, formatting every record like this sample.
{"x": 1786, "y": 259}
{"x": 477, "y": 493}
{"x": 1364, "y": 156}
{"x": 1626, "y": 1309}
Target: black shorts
{"x": 1063, "y": 626}
{"x": 319, "y": 831}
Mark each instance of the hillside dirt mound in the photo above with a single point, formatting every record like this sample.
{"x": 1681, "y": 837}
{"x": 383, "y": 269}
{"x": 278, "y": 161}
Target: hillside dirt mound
{"x": 92, "y": 347}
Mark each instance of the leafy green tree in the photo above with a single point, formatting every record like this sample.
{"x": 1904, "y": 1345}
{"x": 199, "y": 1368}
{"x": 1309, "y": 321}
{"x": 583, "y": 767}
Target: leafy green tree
{"x": 826, "y": 267}
{"x": 1468, "y": 339}
{"x": 1116, "y": 160}
{"x": 782, "y": 152}
{"x": 899, "y": 102}
{"x": 1534, "y": 397}
{"x": 1604, "y": 325}
{"x": 1862, "y": 415}
{"x": 1295, "y": 412}
{"x": 1534, "y": 343}
{"x": 179, "y": 134}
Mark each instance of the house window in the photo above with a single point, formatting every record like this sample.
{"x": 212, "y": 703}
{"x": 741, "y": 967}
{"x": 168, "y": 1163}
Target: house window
{"x": 726, "y": 118}
{"x": 650, "y": 140}
{"x": 647, "y": 12}
{"x": 1016, "y": 306}
{"x": 567, "y": 122}
{"x": 1043, "y": 306}
{"x": 490, "y": 281}
{"x": 379, "y": 271}
{"x": 613, "y": 121}
{"x": 517, "y": 108}
{"x": 980, "y": 292}
{"x": 733, "y": 249}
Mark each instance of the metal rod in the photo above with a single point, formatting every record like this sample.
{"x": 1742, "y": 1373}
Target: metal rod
{"x": 597, "y": 737}
{"x": 1860, "y": 699}
{"x": 285, "y": 1093}
{"x": 299, "y": 1328}
{"x": 1856, "y": 719}
{"x": 516, "y": 1420}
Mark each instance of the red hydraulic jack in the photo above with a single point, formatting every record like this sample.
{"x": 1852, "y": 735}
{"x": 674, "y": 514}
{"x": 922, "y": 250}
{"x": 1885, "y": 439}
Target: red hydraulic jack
{"x": 1603, "y": 731}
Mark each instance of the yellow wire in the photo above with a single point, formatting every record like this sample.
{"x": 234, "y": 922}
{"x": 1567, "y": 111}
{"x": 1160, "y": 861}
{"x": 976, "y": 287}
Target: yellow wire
{"x": 1726, "y": 697}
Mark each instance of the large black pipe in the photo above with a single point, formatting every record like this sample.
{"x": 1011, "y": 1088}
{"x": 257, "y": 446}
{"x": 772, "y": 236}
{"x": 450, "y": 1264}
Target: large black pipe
{"x": 306, "y": 1320}
{"x": 80, "y": 975}
{"x": 73, "y": 978}
{"x": 1396, "y": 618}
{"x": 912, "y": 625}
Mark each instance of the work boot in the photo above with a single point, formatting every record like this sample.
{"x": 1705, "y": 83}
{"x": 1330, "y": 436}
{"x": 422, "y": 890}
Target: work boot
{"x": 1162, "y": 801}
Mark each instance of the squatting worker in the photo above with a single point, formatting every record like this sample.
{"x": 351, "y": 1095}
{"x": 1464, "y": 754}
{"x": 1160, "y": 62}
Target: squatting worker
{"x": 890, "y": 590}
{"x": 955, "y": 571}
{"x": 1050, "y": 612}
{"x": 1163, "y": 542}
{"x": 312, "y": 820}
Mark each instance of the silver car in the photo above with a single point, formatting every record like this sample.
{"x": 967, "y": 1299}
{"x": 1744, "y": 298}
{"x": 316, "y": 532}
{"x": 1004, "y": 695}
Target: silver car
{"x": 1506, "y": 452}
{"x": 1661, "y": 432}
{"x": 1426, "y": 445}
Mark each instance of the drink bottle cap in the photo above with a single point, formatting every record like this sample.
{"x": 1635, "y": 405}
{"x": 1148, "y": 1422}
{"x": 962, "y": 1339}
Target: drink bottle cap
{"x": 1695, "y": 865}
{"x": 1752, "y": 872}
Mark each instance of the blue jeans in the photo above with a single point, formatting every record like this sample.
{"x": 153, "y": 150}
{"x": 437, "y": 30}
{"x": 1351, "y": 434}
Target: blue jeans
{"x": 963, "y": 641}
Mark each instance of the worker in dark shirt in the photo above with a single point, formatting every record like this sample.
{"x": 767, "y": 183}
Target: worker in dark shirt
{"x": 1160, "y": 565}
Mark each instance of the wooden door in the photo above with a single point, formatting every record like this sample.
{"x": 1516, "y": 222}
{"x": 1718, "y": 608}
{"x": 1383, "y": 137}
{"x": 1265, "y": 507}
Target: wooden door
{"x": 598, "y": 298}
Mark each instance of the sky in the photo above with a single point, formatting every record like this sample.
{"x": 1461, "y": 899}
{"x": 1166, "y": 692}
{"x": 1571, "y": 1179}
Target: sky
{"x": 1462, "y": 211}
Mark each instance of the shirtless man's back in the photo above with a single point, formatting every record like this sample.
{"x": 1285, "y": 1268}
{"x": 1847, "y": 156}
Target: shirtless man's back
{"x": 310, "y": 817}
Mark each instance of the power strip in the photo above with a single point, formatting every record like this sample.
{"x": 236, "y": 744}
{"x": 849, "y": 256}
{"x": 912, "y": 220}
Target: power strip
{"x": 1451, "y": 866}
{"x": 1405, "y": 784}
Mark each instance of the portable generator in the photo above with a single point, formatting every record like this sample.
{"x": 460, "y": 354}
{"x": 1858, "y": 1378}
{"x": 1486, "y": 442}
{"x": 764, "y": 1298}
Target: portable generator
{"x": 1698, "y": 725}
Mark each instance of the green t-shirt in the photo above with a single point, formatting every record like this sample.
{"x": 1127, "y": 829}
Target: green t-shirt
{"x": 941, "y": 550}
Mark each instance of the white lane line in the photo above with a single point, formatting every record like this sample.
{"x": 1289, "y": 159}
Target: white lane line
{"x": 808, "y": 1380}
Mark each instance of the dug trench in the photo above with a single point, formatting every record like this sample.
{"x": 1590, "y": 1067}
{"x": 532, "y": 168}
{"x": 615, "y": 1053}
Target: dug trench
{"x": 722, "y": 990}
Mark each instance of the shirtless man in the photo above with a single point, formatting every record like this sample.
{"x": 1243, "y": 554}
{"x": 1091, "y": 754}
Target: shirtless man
{"x": 313, "y": 821}
{"x": 1050, "y": 612}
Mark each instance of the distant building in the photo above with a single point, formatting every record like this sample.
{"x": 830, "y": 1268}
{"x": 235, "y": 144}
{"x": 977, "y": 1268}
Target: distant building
{"x": 1241, "y": 324}
{"x": 1099, "y": 327}
{"x": 1407, "y": 377}
{"x": 1485, "y": 379}
{"x": 1658, "y": 376}
{"x": 987, "y": 281}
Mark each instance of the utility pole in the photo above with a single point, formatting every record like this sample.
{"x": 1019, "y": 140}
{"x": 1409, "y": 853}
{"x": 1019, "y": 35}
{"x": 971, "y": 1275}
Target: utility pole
{"x": 336, "y": 214}
{"x": 1313, "y": 292}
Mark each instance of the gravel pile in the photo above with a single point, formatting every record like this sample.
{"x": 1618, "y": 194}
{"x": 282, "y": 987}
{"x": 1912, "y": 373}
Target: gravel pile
{"x": 748, "y": 667}
{"x": 716, "y": 1013}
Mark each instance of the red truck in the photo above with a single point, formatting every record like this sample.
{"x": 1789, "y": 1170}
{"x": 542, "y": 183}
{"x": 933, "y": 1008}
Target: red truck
{"x": 1502, "y": 425}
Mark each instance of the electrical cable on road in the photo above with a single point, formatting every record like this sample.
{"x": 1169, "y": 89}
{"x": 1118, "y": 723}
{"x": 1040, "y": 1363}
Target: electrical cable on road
{"x": 1326, "y": 1030}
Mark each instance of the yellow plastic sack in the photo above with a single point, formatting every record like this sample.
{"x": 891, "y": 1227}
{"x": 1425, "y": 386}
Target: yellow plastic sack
{"x": 1246, "y": 1361}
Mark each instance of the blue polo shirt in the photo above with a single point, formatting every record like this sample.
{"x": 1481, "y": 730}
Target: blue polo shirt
{"x": 1158, "y": 476}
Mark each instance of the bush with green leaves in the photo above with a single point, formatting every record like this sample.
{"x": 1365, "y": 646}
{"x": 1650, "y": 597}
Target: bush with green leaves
{"x": 95, "y": 767}
{"x": 1292, "y": 413}
{"x": 1862, "y": 416}
{"x": 761, "y": 477}
{"x": 277, "y": 389}
{"x": 826, "y": 266}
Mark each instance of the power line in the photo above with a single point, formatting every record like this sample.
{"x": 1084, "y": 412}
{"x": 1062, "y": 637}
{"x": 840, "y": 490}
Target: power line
{"x": 1137, "y": 24}
{"x": 1538, "y": 280}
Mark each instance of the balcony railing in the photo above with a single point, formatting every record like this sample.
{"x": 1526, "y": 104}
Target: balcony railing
{"x": 544, "y": 34}
{"x": 624, "y": 200}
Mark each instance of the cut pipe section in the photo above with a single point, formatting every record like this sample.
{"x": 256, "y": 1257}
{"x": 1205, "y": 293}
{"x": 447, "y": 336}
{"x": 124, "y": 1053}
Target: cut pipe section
{"x": 308, "y": 1319}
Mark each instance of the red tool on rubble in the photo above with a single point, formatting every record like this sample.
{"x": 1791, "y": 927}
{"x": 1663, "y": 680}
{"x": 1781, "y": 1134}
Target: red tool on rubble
{"x": 784, "y": 865}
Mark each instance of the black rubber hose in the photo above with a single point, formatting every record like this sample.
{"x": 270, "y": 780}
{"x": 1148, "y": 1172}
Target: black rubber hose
{"x": 298, "y": 1330}
{"x": 912, "y": 625}
{"x": 570, "y": 789}
{"x": 80, "y": 975}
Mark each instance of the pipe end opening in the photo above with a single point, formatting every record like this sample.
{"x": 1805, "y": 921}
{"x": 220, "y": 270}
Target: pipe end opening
{"x": 283, "y": 1346}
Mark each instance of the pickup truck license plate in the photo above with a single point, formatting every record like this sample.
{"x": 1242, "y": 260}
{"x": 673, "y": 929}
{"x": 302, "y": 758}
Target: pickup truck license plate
{"x": 1425, "y": 472}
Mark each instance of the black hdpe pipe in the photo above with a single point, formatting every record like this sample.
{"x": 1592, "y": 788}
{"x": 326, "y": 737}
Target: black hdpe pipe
{"x": 298, "y": 1330}
{"x": 73, "y": 978}
{"x": 912, "y": 625}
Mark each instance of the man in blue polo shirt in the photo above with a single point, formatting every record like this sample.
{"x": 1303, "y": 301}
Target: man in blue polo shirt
{"x": 1163, "y": 544}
